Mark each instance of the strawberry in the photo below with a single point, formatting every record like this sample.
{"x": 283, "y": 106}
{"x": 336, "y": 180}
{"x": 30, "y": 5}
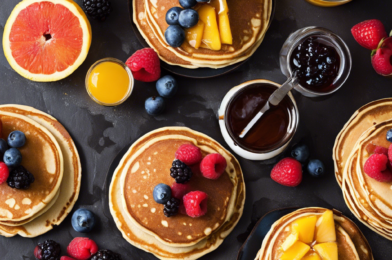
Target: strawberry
{"x": 287, "y": 172}
{"x": 381, "y": 57}
{"x": 145, "y": 65}
{"x": 376, "y": 167}
{"x": 369, "y": 33}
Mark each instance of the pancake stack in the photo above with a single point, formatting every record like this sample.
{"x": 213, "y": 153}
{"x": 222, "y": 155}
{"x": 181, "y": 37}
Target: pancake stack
{"x": 51, "y": 156}
{"x": 141, "y": 220}
{"x": 368, "y": 199}
{"x": 351, "y": 244}
{"x": 249, "y": 21}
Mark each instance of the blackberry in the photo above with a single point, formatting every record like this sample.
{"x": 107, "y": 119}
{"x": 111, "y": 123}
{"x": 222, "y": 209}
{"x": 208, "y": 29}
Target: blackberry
{"x": 20, "y": 178}
{"x": 48, "y": 250}
{"x": 180, "y": 171}
{"x": 171, "y": 207}
{"x": 98, "y": 9}
{"x": 105, "y": 255}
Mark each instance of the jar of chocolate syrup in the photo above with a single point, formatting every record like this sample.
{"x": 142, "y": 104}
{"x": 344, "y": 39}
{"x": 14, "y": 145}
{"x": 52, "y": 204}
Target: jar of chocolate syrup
{"x": 320, "y": 58}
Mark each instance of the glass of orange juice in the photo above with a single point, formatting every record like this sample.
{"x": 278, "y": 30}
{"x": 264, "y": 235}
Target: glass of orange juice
{"x": 109, "y": 82}
{"x": 328, "y": 3}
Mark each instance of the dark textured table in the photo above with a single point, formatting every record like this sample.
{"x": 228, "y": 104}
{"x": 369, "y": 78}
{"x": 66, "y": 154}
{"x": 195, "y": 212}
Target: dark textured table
{"x": 100, "y": 132}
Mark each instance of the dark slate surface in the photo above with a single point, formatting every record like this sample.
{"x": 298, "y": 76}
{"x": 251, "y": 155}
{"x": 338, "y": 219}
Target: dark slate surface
{"x": 100, "y": 132}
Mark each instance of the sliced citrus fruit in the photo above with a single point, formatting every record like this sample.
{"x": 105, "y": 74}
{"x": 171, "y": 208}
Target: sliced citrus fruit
{"x": 46, "y": 40}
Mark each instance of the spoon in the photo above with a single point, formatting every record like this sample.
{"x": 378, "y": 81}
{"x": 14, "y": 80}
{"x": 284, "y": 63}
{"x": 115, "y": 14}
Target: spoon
{"x": 274, "y": 100}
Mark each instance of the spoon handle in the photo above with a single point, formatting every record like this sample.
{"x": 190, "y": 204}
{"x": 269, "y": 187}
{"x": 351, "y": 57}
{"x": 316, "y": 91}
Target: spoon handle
{"x": 281, "y": 92}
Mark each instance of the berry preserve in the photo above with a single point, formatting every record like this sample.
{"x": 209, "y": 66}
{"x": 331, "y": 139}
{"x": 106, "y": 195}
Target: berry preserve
{"x": 317, "y": 63}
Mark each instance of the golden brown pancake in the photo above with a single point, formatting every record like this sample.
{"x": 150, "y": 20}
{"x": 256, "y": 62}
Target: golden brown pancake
{"x": 139, "y": 236}
{"x": 350, "y": 240}
{"x": 249, "y": 23}
{"x": 43, "y": 158}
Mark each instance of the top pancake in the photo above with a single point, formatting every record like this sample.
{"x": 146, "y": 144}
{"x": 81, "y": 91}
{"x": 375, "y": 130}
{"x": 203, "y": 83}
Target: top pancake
{"x": 42, "y": 156}
{"x": 248, "y": 23}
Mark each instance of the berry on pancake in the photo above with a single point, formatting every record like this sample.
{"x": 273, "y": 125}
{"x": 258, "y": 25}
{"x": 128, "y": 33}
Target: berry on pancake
{"x": 145, "y": 65}
{"x": 179, "y": 190}
{"x": 180, "y": 172}
{"x": 195, "y": 203}
{"x": 189, "y": 154}
{"x": 4, "y": 172}
{"x": 82, "y": 248}
{"x": 162, "y": 193}
{"x": 20, "y": 178}
{"x": 213, "y": 166}
{"x": 171, "y": 207}
{"x": 376, "y": 167}
{"x": 287, "y": 172}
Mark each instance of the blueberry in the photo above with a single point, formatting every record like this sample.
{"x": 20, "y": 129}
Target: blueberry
{"x": 162, "y": 193}
{"x": 315, "y": 168}
{"x": 3, "y": 146}
{"x": 188, "y": 18}
{"x": 172, "y": 15}
{"x": 175, "y": 35}
{"x": 12, "y": 157}
{"x": 389, "y": 135}
{"x": 154, "y": 105}
{"x": 300, "y": 152}
{"x": 83, "y": 220}
{"x": 16, "y": 139}
{"x": 167, "y": 86}
{"x": 188, "y": 3}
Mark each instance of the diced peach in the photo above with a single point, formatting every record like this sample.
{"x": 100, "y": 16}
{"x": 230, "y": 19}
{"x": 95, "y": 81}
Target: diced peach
{"x": 290, "y": 240}
{"x": 296, "y": 251}
{"x": 211, "y": 36}
{"x": 194, "y": 35}
{"x": 305, "y": 228}
{"x": 312, "y": 256}
{"x": 224, "y": 29}
{"x": 327, "y": 251}
{"x": 325, "y": 228}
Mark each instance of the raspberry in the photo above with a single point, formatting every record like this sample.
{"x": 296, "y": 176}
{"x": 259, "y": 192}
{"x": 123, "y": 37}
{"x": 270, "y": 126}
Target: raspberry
{"x": 4, "y": 172}
{"x": 212, "y": 166}
{"x": 82, "y": 248}
{"x": 376, "y": 167}
{"x": 195, "y": 203}
{"x": 179, "y": 190}
{"x": 189, "y": 154}
{"x": 67, "y": 258}
{"x": 287, "y": 172}
{"x": 145, "y": 65}
{"x": 381, "y": 150}
{"x": 390, "y": 153}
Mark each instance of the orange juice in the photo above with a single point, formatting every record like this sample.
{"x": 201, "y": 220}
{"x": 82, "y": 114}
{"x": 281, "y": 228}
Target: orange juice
{"x": 328, "y": 3}
{"x": 109, "y": 82}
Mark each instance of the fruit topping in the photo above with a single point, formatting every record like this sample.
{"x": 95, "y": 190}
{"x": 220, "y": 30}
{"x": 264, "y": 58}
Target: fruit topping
{"x": 180, "y": 172}
{"x": 162, "y": 193}
{"x": 389, "y": 135}
{"x": 311, "y": 256}
{"x": 189, "y": 154}
{"x": 20, "y": 178}
{"x": 175, "y": 36}
{"x": 171, "y": 207}
{"x": 195, "y": 203}
{"x": 296, "y": 251}
{"x": 3, "y": 147}
{"x": 325, "y": 228}
{"x": 172, "y": 15}
{"x": 188, "y": 18}
{"x": 83, "y": 220}
{"x": 381, "y": 58}
{"x": 327, "y": 251}
{"x": 317, "y": 64}
{"x": 376, "y": 167}
{"x": 194, "y": 35}
{"x": 213, "y": 166}
{"x": 167, "y": 86}
{"x": 222, "y": 11}
{"x": 305, "y": 228}
{"x": 287, "y": 172}
{"x": 316, "y": 168}
{"x": 179, "y": 190}
{"x": 145, "y": 65}
{"x": 82, "y": 248}
{"x": 154, "y": 105}
{"x": 369, "y": 33}
{"x": 12, "y": 157}
{"x": 211, "y": 35}
{"x": 4, "y": 172}
{"x": 300, "y": 152}
{"x": 98, "y": 9}
{"x": 47, "y": 250}
{"x": 188, "y": 3}
{"x": 16, "y": 139}
{"x": 105, "y": 255}
{"x": 290, "y": 240}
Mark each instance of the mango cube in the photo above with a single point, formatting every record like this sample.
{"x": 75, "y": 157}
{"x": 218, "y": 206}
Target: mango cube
{"x": 290, "y": 240}
{"x": 194, "y": 35}
{"x": 327, "y": 251}
{"x": 211, "y": 36}
{"x": 312, "y": 256}
{"x": 305, "y": 228}
{"x": 326, "y": 228}
{"x": 296, "y": 251}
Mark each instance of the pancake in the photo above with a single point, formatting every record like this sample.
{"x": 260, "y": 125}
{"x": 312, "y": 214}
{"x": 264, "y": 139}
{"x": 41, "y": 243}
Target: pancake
{"x": 43, "y": 158}
{"x": 370, "y": 114}
{"x": 70, "y": 185}
{"x": 138, "y": 235}
{"x": 352, "y": 245}
{"x": 249, "y": 23}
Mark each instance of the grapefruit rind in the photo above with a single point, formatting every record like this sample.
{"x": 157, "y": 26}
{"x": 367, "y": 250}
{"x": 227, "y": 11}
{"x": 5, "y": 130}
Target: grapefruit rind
{"x": 84, "y": 24}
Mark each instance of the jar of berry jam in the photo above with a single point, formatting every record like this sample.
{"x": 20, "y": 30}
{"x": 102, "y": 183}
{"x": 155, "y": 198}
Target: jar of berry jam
{"x": 320, "y": 59}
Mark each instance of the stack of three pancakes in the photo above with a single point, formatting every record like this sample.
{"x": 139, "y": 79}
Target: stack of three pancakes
{"x": 51, "y": 156}
{"x": 141, "y": 220}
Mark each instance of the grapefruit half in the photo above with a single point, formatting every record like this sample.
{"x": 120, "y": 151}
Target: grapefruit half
{"x": 46, "y": 40}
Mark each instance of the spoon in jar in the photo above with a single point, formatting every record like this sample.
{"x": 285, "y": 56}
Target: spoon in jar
{"x": 274, "y": 100}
